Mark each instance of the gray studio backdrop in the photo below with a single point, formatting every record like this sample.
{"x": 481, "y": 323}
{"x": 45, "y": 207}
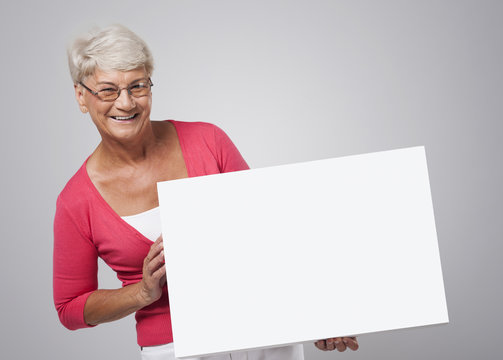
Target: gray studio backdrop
{"x": 289, "y": 81}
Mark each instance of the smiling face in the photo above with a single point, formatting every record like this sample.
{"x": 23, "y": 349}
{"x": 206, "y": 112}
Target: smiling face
{"x": 124, "y": 119}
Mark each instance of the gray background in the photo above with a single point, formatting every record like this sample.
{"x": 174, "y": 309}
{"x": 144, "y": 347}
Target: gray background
{"x": 289, "y": 81}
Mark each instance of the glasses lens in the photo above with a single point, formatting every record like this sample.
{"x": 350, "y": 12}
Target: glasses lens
{"x": 140, "y": 89}
{"x": 111, "y": 93}
{"x": 108, "y": 94}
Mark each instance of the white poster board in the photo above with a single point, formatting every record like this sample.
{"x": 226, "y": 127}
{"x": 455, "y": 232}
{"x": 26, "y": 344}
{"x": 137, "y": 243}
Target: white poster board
{"x": 301, "y": 252}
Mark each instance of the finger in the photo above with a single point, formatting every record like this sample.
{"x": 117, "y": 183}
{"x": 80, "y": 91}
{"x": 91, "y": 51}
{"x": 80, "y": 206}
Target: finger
{"x": 156, "y": 263}
{"x": 158, "y": 245}
{"x": 320, "y": 344}
{"x": 163, "y": 279}
{"x": 339, "y": 344}
{"x": 351, "y": 342}
{"x": 154, "y": 250}
{"x": 330, "y": 344}
{"x": 160, "y": 257}
{"x": 159, "y": 274}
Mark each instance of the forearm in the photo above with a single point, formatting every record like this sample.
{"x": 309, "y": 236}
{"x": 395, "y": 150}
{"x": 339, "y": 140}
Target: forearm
{"x": 109, "y": 305}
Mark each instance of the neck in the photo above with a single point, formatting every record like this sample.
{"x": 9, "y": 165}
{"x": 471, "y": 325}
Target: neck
{"x": 130, "y": 152}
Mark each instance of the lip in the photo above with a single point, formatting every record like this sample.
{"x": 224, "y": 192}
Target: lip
{"x": 124, "y": 119}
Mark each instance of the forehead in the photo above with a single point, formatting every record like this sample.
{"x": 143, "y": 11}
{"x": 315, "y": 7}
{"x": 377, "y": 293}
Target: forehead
{"x": 118, "y": 77}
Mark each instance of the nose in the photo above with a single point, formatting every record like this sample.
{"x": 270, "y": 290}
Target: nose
{"x": 125, "y": 101}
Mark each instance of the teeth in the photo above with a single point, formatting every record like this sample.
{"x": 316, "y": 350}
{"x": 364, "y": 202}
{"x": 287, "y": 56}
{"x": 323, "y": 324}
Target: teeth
{"x": 123, "y": 117}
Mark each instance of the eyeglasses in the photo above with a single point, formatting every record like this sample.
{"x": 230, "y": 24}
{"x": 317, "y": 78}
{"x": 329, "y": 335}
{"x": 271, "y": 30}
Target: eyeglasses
{"x": 112, "y": 92}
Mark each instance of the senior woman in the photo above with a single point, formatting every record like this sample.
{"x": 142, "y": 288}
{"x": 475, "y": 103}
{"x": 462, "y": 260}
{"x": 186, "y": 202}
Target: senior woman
{"x": 109, "y": 208}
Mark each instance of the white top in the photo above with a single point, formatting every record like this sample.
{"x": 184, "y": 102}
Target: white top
{"x": 148, "y": 223}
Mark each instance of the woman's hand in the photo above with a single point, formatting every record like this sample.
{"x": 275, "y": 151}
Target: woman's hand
{"x": 109, "y": 305}
{"x": 154, "y": 273}
{"x": 339, "y": 343}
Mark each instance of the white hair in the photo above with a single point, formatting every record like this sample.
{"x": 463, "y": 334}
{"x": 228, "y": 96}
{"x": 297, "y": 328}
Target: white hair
{"x": 112, "y": 48}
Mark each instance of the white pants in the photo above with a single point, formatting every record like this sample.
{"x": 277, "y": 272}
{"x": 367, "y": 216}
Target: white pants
{"x": 166, "y": 352}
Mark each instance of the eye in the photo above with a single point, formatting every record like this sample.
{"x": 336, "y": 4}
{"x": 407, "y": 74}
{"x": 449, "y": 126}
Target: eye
{"x": 109, "y": 90}
{"x": 139, "y": 89}
{"x": 139, "y": 86}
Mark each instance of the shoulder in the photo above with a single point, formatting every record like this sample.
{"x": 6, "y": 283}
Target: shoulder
{"x": 203, "y": 143}
{"x": 77, "y": 190}
{"x": 73, "y": 206}
{"x": 196, "y": 128}
{"x": 199, "y": 133}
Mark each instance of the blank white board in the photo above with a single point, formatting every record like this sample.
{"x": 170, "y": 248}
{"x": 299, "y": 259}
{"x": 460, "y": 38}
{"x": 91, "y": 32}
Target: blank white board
{"x": 301, "y": 252}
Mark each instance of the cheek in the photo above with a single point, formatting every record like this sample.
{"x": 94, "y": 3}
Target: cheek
{"x": 104, "y": 109}
{"x": 147, "y": 105}
{"x": 98, "y": 112}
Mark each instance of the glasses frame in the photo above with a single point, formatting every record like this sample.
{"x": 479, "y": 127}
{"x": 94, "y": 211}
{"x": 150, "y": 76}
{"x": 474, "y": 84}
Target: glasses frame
{"x": 128, "y": 88}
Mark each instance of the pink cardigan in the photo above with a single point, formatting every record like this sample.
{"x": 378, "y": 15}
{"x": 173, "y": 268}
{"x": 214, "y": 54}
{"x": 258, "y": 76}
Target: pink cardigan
{"x": 86, "y": 227}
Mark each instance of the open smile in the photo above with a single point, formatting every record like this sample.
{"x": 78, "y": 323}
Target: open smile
{"x": 124, "y": 118}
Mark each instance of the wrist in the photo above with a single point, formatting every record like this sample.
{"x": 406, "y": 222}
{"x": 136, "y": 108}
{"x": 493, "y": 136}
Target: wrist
{"x": 142, "y": 295}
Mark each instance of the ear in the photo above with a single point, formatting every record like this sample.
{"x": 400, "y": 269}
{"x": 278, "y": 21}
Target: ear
{"x": 79, "y": 95}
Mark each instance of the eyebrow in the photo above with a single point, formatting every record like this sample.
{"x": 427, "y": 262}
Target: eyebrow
{"x": 111, "y": 83}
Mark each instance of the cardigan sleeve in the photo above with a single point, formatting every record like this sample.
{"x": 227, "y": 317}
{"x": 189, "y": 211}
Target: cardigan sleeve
{"x": 228, "y": 156}
{"x": 75, "y": 268}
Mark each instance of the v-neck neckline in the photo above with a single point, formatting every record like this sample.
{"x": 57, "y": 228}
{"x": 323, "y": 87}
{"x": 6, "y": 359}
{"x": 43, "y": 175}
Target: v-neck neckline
{"x": 107, "y": 206}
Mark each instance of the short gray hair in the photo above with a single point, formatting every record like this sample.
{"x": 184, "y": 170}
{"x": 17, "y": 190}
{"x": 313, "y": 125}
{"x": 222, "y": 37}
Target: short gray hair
{"x": 112, "y": 48}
